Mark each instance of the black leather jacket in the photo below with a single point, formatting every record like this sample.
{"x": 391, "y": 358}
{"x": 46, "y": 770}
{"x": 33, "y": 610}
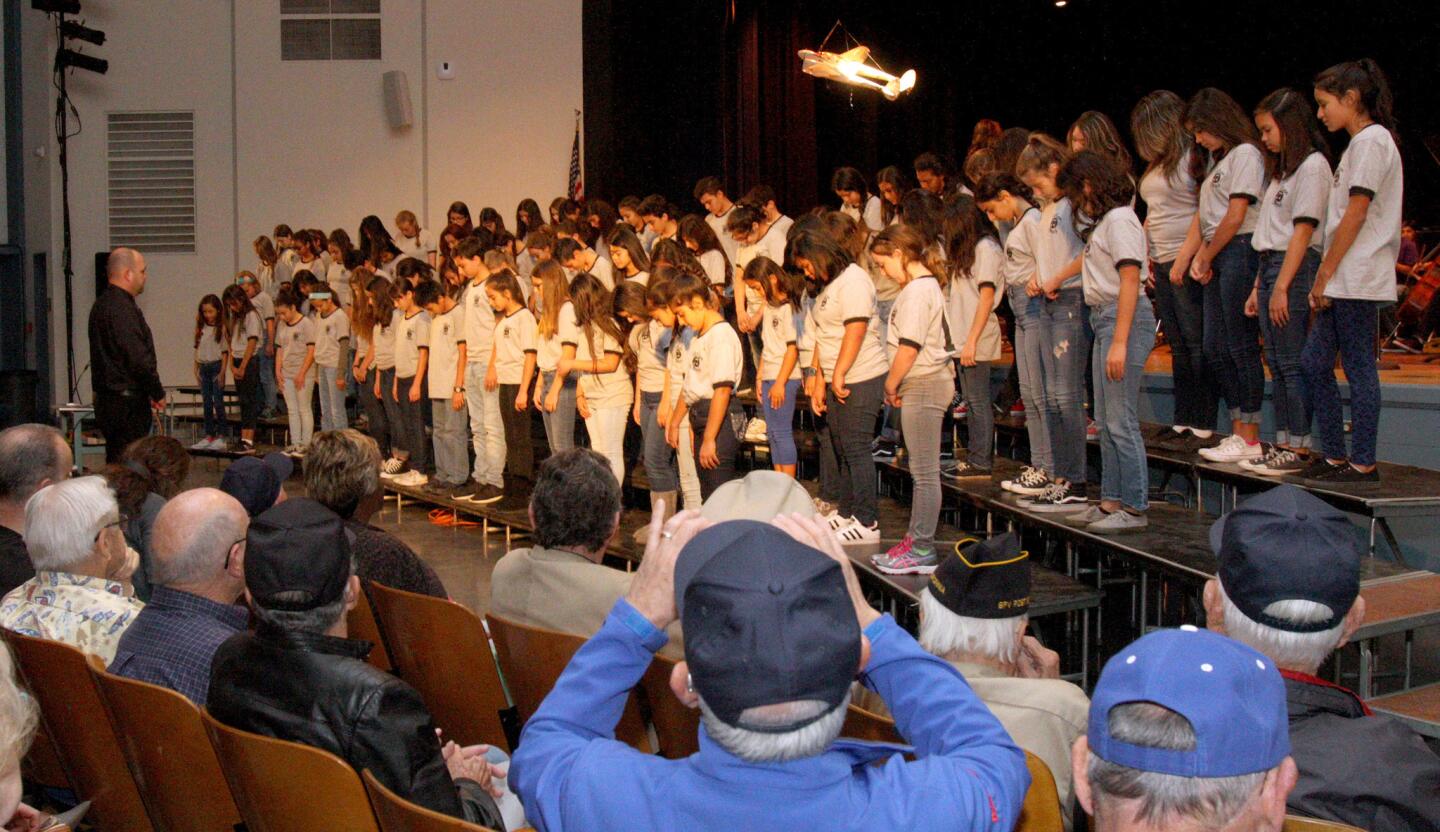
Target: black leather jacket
{"x": 319, "y": 691}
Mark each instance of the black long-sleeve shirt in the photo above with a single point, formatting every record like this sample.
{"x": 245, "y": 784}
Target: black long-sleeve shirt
{"x": 122, "y": 351}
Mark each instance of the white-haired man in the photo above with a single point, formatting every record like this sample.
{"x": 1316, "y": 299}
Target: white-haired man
{"x": 1289, "y": 586}
{"x": 197, "y": 551}
{"x": 81, "y": 591}
{"x": 973, "y": 615}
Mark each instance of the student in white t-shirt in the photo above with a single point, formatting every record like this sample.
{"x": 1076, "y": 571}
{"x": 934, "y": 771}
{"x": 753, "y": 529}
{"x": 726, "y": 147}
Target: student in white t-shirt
{"x": 381, "y": 375}
{"x": 1232, "y": 183}
{"x": 295, "y": 368}
{"x": 487, "y": 420}
{"x": 446, "y": 369}
{"x": 1114, "y": 269}
{"x": 778, "y": 369}
{"x": 975, "y": 260}
{"x": 676, "y": 343}
{"x": 265, "y": 305}
{"x": 848, "y": 387}
{"x": 627, "y": 255}
{"x": 713, "y": 371}
{"x": 212, "y": 350}
{"x": 856, "y": 201}
{"x": 580, "y": 258}
{"x": 645, "y": 343}
{"x": 920, "y": 381}
{"x": 246, "y": 333}
{"x": 412, "y": 357}
{"x": 1357, "y": 274}
{"x": 594, "y": 349}
{"x": 700, "y": 239}
{"x": 554, "y": 320}
{"x": 1289, "y": 239}
{"x": 757, "y": 236}
{"x": 412, "y": 239}
{"x": 332, "y": 338}
{"x": 711, "y": 196}
{"x": 512, "y": 368}
{"x": 1006, "y": 200}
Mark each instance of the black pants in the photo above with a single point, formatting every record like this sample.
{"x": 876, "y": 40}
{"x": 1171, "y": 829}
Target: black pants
{"x": 851, "y": 427}
{"x": 519, "y": 451}
{"x": 122, "y": 420}
{"x": 379, "y": 425}
{"x": 727, "y": 444}
{"x": 248, "y": 390}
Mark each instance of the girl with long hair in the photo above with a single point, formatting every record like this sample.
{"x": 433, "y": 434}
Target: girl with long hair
{"x": 1094, "y": 130}
{"x": 779, "y": 367}
{"x": 855, "y": 198}
{"x": 554, "y": 324}
{"x": 627, "y": 254}
{"x": 362, "y": 365}
{"x": 700, "y": 239}
{"x": 527, "y": 218}
{"x": 295, "y": 368}
{"x": 1232, "y": 169}
{"x": 268, "y": 259}
{"x": 646, "y": 346}
{"x": 604, "y": 395}
{"x": 892, "y": 183}
{"x": 383, "y": 315}
{"x": 212, "y": 351}
{"x": 974, "y": 259}
{"x": 246, "y": 332}
{"x": 1357, "y": 274}
{"x": 715, "y": 366}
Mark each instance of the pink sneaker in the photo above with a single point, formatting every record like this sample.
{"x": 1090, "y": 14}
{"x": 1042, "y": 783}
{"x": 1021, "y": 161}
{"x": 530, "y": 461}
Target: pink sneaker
{"x": 902, "y": 559}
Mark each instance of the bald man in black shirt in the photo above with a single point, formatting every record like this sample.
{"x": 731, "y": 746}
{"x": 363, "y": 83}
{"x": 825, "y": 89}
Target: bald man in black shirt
{"x": 123, "y": 371}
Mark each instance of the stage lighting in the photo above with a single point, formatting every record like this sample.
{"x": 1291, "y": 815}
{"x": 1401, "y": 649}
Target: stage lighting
{"x": 70, "y": 30}
{"x": 68, "y": 58}
{"x": 56, "y": 6}
{"x": 855, "y": 66}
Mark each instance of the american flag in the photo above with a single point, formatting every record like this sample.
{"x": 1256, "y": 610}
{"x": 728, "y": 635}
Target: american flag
{"x": 577, "y": 179}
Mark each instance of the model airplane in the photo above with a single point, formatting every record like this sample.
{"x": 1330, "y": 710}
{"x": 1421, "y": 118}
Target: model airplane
{"x": 854, "y": 66}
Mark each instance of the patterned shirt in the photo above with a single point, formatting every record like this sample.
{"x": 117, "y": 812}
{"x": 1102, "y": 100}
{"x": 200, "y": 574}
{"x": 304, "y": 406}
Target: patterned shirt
{"x": 82, "y": 611}
{"x": 173, "y": 640}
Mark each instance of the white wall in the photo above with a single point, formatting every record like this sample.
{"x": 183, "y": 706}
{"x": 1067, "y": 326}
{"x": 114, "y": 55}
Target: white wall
{"x": 307, "y": 143}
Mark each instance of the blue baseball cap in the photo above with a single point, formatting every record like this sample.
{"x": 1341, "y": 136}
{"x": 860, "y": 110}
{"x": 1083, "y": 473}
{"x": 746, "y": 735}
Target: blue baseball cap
{"x": 1232, "y": 696}
{"x": 1286, "y": 544}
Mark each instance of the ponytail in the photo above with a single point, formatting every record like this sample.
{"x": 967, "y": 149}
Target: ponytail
{"x": 1368, "y": 81}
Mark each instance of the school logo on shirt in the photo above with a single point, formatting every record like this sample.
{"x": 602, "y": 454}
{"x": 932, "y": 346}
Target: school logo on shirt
{"x": 409, "y": 335}
{"x": 695, "y": 363}
{"x": 823, "y": 302}
{"x": 505, "y": 332}
{"x": 775, "y": 321}
{"x": 327, "y": 330}
{"x": 1280, "y": 197}
{"x": 1009, "y": 253}
{"x": 1054, "y": 224}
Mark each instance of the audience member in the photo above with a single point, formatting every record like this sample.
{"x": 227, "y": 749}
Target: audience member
{"x": 132, "y": 489}
{"x": 18, "y": 718}
{"x": 258, "y": 483}
{"x": 1187, "y": 734}
{"x": 342, "y": 473}
{"x": 81, "y": 593}
{"x": 31, "y": 457}
{"x": 164, "y": 463}
{"x": 198, "y": 556}
{"x": 1289, "y": 586}
{"x": 298, "y": 677}
{"x": 973, "y": 615}
{"x": 776, "y": 629}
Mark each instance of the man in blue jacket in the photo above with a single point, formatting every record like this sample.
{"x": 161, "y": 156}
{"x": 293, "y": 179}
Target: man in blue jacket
{"x": 775, "y": 628}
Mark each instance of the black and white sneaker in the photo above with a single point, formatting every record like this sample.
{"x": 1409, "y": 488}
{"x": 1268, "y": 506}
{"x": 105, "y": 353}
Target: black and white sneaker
{"x": 486, "y": 494}
{"x": 882, "y": 451}
{"x": 963, "y": 471}
{"x": 1032, "y": 482}
{"x": 1059, "y": 497}
{"x": 856, "y": 532}
{"x": 1278, "y": 463}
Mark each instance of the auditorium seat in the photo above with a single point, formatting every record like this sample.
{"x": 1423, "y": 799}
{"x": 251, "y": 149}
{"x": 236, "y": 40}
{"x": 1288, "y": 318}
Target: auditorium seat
{"x": 287, "y": 787}
{"x": 440, "y": 648}
{"x": 676, "y": 726}
{"x": 1041, "y": 811}
{"x": 361, "y": 624}
{"x": 532, "y": 659}
{"x": 396, "y": 814}
{"x": 170, "y": 756}
{"x": 59, "y": 678}
{"x": 1294, "y": 824}
{"x": 861, "y": 724}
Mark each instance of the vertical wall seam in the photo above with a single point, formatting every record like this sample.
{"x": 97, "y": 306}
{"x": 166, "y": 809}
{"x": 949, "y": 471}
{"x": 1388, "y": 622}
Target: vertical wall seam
{"x": 234, "y": 148}
{"x": 425, "y": 113}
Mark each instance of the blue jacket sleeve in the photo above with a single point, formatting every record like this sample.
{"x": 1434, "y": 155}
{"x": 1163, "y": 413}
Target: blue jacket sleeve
{"x": 582, "y": 708}
{"x": 961, "y": 747}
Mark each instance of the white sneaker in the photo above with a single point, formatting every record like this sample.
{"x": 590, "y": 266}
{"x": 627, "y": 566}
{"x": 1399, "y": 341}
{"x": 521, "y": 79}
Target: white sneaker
{"x": 755, "y": 430}
{"x": 218, "y": 444}
{"x": 854, "y": 532}
{"x": 1233, "y": 448}
{"x": 203, "y": 444}
{"x": 1031, "y": 482}
{"x": 391, "y": 467}
{"x": 411, "y": 479}
{"x": 836, "y": 521}
{"x": 295, "y": 450}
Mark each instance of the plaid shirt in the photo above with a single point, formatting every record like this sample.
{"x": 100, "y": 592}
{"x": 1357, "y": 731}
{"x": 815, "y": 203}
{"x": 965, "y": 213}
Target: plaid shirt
{"x": 173, "y": 640}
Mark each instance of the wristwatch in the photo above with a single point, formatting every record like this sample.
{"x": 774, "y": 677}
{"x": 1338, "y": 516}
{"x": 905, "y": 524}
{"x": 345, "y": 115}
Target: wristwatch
{"x": 459, "y": 389}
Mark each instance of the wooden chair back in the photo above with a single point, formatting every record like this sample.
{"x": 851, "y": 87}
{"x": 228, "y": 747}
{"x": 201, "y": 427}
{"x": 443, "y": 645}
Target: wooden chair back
{"x": 532, "y": 659}
{"x": 58, "y": 676}
{"x": 1041, "y": 811}
{"x": 283, "y": 786}
{"x": 170, "y": 756}
{"x": 396, "y": 814}
{"x": 861, "y": 724}
{"x": 440, "y": 648}
{"x": 676, "y": 726}
{"x": 42, "y": 762}
{"x": 1298, "y": 824}
{"x": 361, "y": 624}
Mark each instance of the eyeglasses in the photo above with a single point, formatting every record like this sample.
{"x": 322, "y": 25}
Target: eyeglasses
{"x": 228, "y": 549}
{"x": 122, "y": 522}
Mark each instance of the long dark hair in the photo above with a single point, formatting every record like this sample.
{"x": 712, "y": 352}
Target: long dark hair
{"x": 623, "y": 236}
{"x": 1368, "y": 81}
{"x": 1101, "y": 136}
{"x": 629, "y": 297}
{"x": 1215, "y": 112}
{"x": 850, "y": 179}
{"x": 235, "y": 293}
{"x": 1158, "y": 126}
{"x": 896, "y": 178}
{"x": 824, "y": 253}
{"x": 964, "y": 227}
{"x": 530, "y": 208}
{"x": 375, "y": 239}
{"x": 461, "y": 208}
{"x": 989, "y": 187}
{"x": 221, "y": 330}
{"x": 790, "y": 284}
{"x": 695, "y": 230}
{"x": 382, "y": 303}
{"x": 593, "y": 309}
{"x": 922, "y": 211}
{"x": 1110, "y": 187}
{"x": 1300, "y": 133}
{"x": 490, "y": 215}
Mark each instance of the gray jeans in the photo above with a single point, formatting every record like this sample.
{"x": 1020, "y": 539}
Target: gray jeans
{"x": 449, "y": 432}
{"x": 980, "y": 422}
{"x": 925, "y": 401}
{"x": 560, "y": 425}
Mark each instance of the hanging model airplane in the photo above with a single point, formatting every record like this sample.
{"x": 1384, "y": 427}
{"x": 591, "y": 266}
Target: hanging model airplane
{"x": 855, "y": 66}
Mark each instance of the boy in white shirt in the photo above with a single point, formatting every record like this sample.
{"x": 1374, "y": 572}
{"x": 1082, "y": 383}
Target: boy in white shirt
{"x": 447, "y": 389}
{"x": 332, "y": 338}
{"x": 295, "y": 368}
{"x": 578, "y": 257}
{"x": 487, "y": 426}
{"x": 711, "y": 196}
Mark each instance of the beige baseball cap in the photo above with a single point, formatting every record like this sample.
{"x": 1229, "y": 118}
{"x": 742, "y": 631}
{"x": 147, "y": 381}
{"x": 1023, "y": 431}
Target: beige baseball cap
{"x": 759, "y": 495}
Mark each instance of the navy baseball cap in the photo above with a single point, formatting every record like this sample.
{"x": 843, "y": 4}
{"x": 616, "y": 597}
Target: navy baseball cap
{"x": 256, "y": 482}
{"x": 984, "y": 579}
{"x": 1286, "y": 544}
{"x": 766, "y": 619}
{"x": 1232, "y": 696}
{"x": 297, "y": 556}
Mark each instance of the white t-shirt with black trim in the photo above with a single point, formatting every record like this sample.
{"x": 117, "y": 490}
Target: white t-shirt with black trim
{"x": 1240, "y": 174}
{"x": 1119, "y": 240}
{"x": 612, "y": 389}
{"x": 717, "y": 224}
{"x": 918, "y": 320}
{"x": 422, "y": 243}
{"x": 645, "y": 340}
{"x": 515, "y": 335}
{"x": 330, "y": 330}
{"x": 479, "y": 324}
{"x": 849, "y": 298}
{"x": 212, "y": 344}
{"x": 777, "y": 334}
{"x": 715, "y": 360}
{"x": 1299, "y": 198}
{"x": 548, "y": 350}
{"x": 1170, "y": 205}
{"x": 713, "y": 263}
{"x": 964, "y": 302}
{"x": 250, "y": 327}
{"x": 1371, "y": 166}
{"x": 1057, "y": 244}
{"x": 677, "y": 358}
{"x": 412, "y": 334}
{"x": 383, "y": 337}
{"x": 447, "y": 333}
{"x": 1020, "y": 246}
{"x": 293, "y": 341}
{"x": 603, "y": 271}
{"x": 868, "y": 213}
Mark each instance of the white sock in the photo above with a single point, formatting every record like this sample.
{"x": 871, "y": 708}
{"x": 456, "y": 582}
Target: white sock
{"x": 1177, "y": 428}
{"x": 1202, "y": 434}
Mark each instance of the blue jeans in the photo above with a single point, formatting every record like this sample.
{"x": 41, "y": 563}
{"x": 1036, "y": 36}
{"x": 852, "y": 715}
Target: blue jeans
{"x": 1346, "y": 328}
{"x": 1064, "y": 353}
{"x": 212, "y": 398}
{"x": 560, "y": 425}
{"x": 1030, "y": 366}
{"x": 268, "y": 390}
{"x": 1124, "y": 471}
{"x": 659, "y": 456}
{"x": 1232, "y": 338}
{"x": 332, "y": 399}
{"x": 1182, "y": 316}
{"x": 780, "y": 423}
{"x": 1283, "y": 346}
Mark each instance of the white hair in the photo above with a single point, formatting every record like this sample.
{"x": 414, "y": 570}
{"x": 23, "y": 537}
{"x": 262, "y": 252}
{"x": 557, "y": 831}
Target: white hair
{"x": 943, "y": 632}
{"x": 759, "y": 746}
{"x": 63, "y": 520}
{"x": 1304, "y": 652}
